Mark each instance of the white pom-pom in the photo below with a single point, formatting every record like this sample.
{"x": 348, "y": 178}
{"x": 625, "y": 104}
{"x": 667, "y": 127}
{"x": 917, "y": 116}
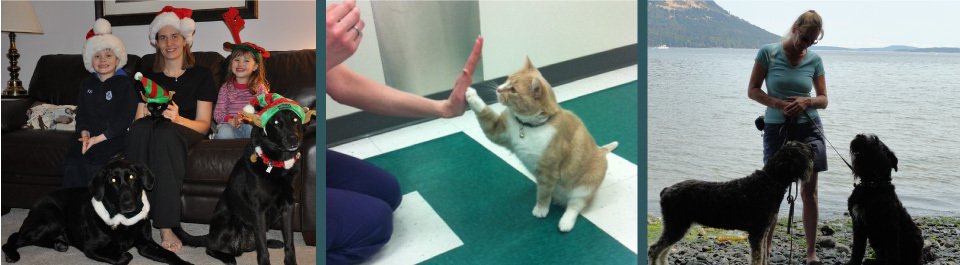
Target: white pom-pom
{"x": 249, "y": 109}
{"x": 102, "y": 26}
{"x": 138, "y": 76}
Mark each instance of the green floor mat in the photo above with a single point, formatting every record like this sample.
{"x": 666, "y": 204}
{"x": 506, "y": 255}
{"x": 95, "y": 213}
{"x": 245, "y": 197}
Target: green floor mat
{"x": 610, "y": 115}
{"x": 487, "y": 204}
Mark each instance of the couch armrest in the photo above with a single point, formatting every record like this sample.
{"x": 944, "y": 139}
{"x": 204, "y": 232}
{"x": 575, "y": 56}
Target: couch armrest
{"x": 14, "y": 112}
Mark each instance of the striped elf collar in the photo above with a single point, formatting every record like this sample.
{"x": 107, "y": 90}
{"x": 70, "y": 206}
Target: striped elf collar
{"x": 258, "y": 154}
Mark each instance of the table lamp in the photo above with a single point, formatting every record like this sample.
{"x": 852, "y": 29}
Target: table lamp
{"x": 18, "y": 16}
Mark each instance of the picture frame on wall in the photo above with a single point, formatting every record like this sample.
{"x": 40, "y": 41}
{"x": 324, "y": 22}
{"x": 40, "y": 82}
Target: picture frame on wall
{"x": 142, "y": 12}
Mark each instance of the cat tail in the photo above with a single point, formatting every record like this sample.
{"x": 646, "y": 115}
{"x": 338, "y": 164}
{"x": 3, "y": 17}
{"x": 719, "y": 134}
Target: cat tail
{"x": 609, "y": 147}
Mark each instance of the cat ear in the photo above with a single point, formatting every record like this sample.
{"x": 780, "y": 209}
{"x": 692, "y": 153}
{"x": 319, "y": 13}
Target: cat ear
{"x": 528, "y": 65}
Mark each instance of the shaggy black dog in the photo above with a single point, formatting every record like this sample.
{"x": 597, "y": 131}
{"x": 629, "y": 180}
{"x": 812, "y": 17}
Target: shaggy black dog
{"x": 877, "y": 213}
{"x": 257, "y": 195}
{"x": 104, "y": 221}
{"x": 749, "y": 204}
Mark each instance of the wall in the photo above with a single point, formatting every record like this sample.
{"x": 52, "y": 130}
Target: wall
{"x": 548, "y": 31}
{"x": 281, "y": 25}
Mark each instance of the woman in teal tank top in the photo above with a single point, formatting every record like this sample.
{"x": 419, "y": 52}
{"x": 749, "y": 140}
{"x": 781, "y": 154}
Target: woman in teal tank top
{"x": 792, "y": 72}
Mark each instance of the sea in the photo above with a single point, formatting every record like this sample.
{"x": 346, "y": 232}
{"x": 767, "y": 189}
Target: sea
{"x": 701, "y": 122}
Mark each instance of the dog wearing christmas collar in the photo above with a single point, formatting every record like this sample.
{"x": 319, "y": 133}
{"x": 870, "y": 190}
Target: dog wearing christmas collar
{"x": 260, "y": 190}
{"x": 104, "y": 220}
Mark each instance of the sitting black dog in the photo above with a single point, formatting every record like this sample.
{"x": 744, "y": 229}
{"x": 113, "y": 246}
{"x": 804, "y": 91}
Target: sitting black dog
{"x": 156, "y": 109}
{"x": 877, "y": 213}
{"x": 104, "y": 221}
{"x": 749, "y": 204}
{"x": 259, "y": 193}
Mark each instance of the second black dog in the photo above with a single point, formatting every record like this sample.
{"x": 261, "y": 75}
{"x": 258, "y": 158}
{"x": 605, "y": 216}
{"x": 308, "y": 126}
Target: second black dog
{"x": 877, "y": 213}
{"x": 104, "y": 221}
{"x": 749, "y": 204}
{"x": 258, "y": 194}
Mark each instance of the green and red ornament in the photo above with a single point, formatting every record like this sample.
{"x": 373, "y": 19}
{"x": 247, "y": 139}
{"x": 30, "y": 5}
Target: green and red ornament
{"x": 153, "y": 92}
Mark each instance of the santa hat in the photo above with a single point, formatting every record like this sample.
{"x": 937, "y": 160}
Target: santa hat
{"x": 178, "y": 18}
{"x": 262, "y": 108}
{"x": 235, "y": 24}
{"x": 153, "y": 92}
{"x": 98, "y": 39}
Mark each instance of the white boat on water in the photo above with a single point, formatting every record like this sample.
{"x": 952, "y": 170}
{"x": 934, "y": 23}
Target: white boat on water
{"x": 662, "y": 47}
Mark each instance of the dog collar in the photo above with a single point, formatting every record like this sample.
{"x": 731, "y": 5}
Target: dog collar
{"x": 119, "y": 219}
{"x": 273, "y": 163}
{"x": 531, "y": 125}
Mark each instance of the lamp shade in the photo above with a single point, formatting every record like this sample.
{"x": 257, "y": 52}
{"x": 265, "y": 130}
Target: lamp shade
{"x": 18, "y": 16}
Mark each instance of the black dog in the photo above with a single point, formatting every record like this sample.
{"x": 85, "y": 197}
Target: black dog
{"x": 877, "y": 213}
{"x": 257, "y": 195}
{"x": 749, "y": 204}
{"x": 156, "y": 109}
{"x": 104, "y": 221}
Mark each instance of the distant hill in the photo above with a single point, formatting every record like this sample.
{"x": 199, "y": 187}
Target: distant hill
{"x": 700, "y": 24}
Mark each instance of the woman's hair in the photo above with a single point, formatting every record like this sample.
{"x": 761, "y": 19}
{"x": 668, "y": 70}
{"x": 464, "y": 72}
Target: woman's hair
{"x": 188, "y": 59}
{"x": 257, "y": 78}
{"x": 807, "y": 21}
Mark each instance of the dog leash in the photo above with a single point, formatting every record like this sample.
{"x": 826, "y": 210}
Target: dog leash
{"x": 824, "y": 136}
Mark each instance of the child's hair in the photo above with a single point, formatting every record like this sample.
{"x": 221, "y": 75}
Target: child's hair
{"x": 807, "y": 21}
{"x": 257, "y": 78}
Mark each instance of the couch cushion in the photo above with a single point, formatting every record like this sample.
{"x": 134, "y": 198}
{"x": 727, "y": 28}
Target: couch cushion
{"x": 293, "y": 75}
{"x": 35, "y": 152}
{"x": 57, "y": 77}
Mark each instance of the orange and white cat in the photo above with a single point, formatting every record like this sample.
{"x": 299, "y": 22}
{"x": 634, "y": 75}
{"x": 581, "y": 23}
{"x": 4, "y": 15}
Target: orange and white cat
{"x": 550, "y": 141}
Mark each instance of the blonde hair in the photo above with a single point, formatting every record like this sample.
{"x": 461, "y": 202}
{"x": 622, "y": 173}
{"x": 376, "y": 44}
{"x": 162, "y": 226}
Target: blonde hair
{"x": 807, "y": 21}
{"x": 257, "y": 78}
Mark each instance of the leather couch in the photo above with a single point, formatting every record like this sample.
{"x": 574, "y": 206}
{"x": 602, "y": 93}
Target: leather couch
{"x": 32, "y": 160}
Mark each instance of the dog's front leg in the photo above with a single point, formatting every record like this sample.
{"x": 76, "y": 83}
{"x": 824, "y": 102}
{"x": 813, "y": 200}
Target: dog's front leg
{"x": 263, "y": 256}
{"x": 289, "y": 252}
{"x": 109, "y": 255}
{"x": 859, "y": 243}
{"x": 757, "y": 239}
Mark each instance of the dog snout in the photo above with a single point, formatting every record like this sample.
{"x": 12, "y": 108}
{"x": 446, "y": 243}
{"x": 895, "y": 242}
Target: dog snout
{"x": 127, "y": 202}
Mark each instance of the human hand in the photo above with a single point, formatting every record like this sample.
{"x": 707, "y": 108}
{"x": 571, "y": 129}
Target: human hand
{"x": 172, "y": 112}
{"x": 88, "y": 142}
{"x": 796, "y": 105}
{"x": 456, "y": 103}
{"x": 344, "y": 28}
{"x": 235, "y": 122}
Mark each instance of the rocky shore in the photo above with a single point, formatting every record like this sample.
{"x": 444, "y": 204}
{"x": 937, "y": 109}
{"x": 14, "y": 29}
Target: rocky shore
{"x": 706, "y": 246}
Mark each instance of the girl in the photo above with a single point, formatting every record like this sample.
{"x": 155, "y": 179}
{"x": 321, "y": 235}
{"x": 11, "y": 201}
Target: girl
{"x": 246, "y": 80}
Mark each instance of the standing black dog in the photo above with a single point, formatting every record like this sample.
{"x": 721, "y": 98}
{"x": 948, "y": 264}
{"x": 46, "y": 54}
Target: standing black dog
{"x": 104, "y": 221}
{"x": 749, "y": 204}
{"x": 258, "y": 194}
{"x": 877, "y": 213}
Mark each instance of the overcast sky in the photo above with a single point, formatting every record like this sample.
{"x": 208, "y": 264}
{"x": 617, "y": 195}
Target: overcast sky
{"x": 861, "y": 24}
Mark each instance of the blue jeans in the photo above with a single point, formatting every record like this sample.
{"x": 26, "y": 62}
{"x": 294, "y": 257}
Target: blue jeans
{"x": 227, "y": 131}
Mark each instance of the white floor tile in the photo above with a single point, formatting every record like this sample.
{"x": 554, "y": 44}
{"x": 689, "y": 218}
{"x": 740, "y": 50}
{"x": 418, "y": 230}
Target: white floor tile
{"x": 418, "y": 234}
{"x": 362, "y": 149}
{"x": 412, "y": 135}
{"x": 614, "y": 210}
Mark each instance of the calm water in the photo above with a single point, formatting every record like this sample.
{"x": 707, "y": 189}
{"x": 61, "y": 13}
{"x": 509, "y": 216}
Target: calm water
{"x": 701, "y": 122}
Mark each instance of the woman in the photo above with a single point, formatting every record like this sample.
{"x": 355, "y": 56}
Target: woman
{"x": 791, "y": 70}
{"x": 162, "y": 144}
{"x": 361, "y": 197}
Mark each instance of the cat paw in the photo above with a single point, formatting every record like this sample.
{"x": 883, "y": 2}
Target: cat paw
{"x": 540, "y": 212}
{"x": 566, "y": 224}
{"x": 473, "y": 99}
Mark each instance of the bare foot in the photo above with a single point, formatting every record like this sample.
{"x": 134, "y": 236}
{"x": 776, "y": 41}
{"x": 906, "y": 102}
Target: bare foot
{"x": 169, "y": 240}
